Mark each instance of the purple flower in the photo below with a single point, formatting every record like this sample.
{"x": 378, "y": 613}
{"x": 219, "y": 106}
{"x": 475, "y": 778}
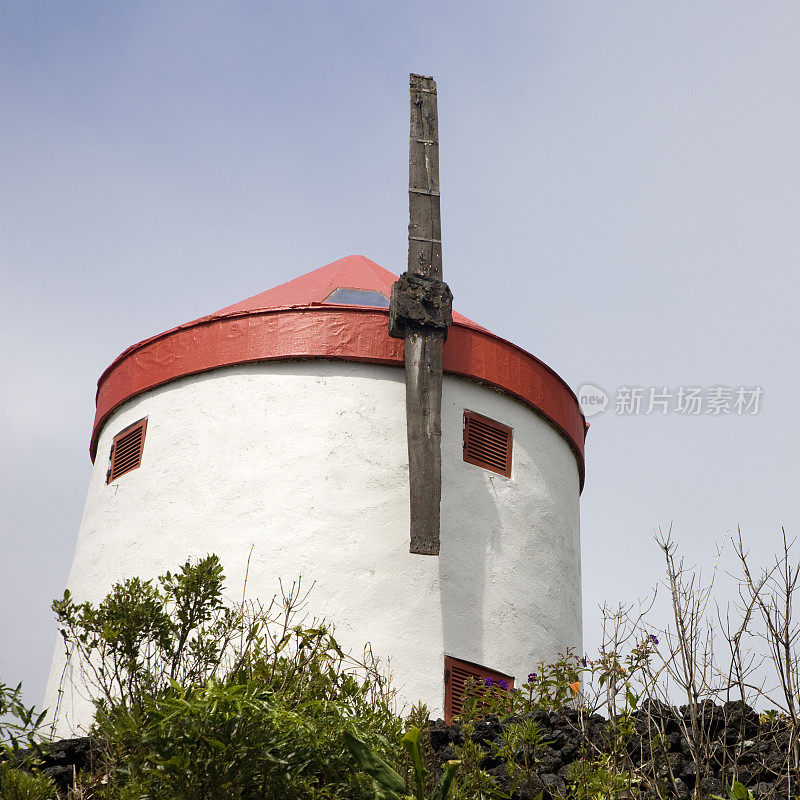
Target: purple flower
{"x": 488, "y": 681}
{"x": 532, "y": 678}
{"x": 585, "y": 661}
{"x": 502, "y": 684}
{"x": 654, "y": 638}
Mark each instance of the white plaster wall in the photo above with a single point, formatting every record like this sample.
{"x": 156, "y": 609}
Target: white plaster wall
{"x": 307, "y": 463}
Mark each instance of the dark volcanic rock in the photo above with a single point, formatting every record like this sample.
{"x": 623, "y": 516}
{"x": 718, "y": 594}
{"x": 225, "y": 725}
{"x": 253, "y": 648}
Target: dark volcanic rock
{"x": 736, "y": 744}
{"x": 61, "y": 760}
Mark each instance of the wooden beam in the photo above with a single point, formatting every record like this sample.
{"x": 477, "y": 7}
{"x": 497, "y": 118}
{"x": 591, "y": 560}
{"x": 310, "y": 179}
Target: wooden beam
{"x": 424, "y": 422}
{"x": 425, "y": 222}
{"x": 420, "y": 313}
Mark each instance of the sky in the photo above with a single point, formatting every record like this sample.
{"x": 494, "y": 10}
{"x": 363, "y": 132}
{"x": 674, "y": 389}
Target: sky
{"x": 619, "y": 197}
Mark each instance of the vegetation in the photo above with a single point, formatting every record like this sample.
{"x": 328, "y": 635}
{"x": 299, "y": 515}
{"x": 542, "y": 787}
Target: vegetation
{"x": 645, "y": 746}
{"x": 387, "y": 784}
{"x": 19, "y": 726}
{"x": 198, "y": 698}
{"x": 22, "y": 784}
{"x": 18, "y": 722}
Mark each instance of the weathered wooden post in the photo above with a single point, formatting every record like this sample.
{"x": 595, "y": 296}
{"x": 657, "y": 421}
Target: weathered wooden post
{"x": 420, "y": 312}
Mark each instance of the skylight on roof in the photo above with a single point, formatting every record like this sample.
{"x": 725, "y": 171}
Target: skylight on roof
{"x": 357, "y": 297}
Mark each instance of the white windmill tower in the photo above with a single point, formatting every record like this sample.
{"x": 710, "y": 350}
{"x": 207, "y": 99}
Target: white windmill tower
{"x": 286, "y": 423}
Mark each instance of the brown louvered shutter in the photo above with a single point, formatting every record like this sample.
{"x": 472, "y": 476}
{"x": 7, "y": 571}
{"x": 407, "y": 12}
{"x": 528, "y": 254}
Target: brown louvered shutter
{"x": 487, "y": 443}
{"x": 126, "y": 450}
{"x": 456, "y": 675}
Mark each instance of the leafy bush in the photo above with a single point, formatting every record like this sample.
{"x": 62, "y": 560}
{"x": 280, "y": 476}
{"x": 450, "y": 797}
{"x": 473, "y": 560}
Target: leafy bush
{"x": 19, "y": 725}
{"x": 387, "y": 784}
{"x": 520, "y": 748}
{"x": 19, "y": 784}
{"x": 145, "y": 634}
{"x": 598, "y": 779}
{"x": 197, "y": 699}
{"x": 18, "y": 722}
{"x": 550, "y": 688}
{"x": 233, "y": 741}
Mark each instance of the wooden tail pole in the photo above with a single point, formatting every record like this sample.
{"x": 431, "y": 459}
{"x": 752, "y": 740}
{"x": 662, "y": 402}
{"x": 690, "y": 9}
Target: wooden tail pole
{"x": 420, "y": 312}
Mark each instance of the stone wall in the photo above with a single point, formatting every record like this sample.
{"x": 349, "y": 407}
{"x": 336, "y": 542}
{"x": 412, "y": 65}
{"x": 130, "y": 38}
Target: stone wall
{"x": 740, "y": 746}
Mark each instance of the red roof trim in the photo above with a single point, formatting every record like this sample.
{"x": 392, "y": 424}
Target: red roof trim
{"x": 349, "y": 333}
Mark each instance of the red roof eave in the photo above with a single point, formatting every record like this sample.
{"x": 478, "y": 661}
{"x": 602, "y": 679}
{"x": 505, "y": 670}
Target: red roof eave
{"x": 349, "y": 333}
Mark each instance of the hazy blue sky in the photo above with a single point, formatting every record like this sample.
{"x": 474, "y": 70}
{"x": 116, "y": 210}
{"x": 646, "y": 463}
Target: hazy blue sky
{"x": 620, "y": 197}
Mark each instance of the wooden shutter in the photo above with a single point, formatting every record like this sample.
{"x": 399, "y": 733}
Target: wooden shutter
{"x": 126, "y": 450}
{"x": 456, "y": 674}
{"x": 487, "y": 443}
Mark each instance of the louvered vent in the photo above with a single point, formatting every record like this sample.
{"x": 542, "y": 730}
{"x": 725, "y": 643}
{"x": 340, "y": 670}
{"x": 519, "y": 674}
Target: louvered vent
{"x": 456, "y": 675}
{"x": 126, "y": 450}
{"x": 487, "y": 443}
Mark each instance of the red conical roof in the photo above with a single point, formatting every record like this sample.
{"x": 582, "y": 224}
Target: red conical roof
{"x": 313, "y": 288}
{"x": 350, "y": 272}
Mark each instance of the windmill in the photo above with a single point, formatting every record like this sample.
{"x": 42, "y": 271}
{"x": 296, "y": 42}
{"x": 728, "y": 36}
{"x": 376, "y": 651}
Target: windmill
{"x": 274, "y": 427}
{"x": 420, "y": 312}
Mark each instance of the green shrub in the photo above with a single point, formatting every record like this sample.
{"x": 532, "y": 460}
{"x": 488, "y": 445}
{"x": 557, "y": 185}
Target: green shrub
{"x": 387, "y": 784}
{"x": 233, "y": 741}
{"x": 144, "y": 634}
{"x": 18, "y": 722}
{"x": 597, "y": 779}
{"x": 19, "y": 726}
{"x": 18, "y": 784}
{"x": 244, "y": 702}
{"x": 472, "y": 780}
{"x": 520, "y": 748}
